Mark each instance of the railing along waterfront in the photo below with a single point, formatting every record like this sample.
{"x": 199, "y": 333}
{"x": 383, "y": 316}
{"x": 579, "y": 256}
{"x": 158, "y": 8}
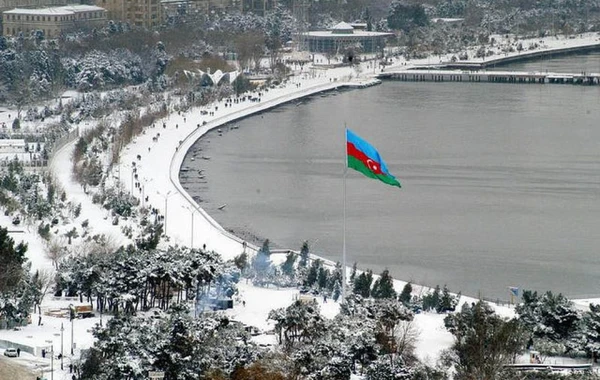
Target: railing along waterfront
{"x": 521, "y": 77}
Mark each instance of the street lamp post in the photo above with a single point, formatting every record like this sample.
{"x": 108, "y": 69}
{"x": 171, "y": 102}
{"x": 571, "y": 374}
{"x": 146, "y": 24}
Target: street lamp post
{"x": 73, "y": 316}
{"x": 192, "y": 211}
{"x": 72, "y": 341}
{"x": 62, "y": 328}
{"x": 52, "y": 362}
{"x": 166, "y": 197}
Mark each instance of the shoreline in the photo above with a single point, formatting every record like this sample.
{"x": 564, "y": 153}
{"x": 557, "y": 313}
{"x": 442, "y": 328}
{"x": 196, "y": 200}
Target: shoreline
{"x": 555, "y": 45}
{"x": 217, "y": 123}
{"x": 530, "y": 55}
{"x": 209, "y": 231}
{"x": 176, "y": 162}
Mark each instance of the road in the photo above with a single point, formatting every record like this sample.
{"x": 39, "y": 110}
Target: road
{"x": 11, "y": 369}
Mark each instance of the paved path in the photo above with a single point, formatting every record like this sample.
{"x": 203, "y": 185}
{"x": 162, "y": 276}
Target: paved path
{"x": 11, "y": 369}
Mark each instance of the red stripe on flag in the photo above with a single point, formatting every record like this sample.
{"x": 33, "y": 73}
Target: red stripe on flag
{"x": 373, "y": 165}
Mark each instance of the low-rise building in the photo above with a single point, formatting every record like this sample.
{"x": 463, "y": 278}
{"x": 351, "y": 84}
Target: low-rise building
{"x": 52, "y": 21}
{"x": 12, "y": 146}
{"x": 343, "y": 36}
{"x": 6, "y": 5}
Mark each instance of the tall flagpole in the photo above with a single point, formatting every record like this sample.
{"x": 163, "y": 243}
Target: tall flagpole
{"x": 344, "y": 217}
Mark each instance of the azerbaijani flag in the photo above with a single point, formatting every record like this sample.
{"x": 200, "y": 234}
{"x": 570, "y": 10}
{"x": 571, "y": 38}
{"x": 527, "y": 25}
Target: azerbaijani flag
{"x": 364, "y": 158}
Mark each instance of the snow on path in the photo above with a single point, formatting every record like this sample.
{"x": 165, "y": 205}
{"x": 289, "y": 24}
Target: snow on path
{"x": 99, "y": 218}
{"x": 36, "y": 250}
{"x": 158, "y": 173}
{"x": 159, "y": 161}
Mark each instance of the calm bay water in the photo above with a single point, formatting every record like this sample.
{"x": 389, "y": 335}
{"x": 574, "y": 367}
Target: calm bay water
{"x": 501, "y": 182}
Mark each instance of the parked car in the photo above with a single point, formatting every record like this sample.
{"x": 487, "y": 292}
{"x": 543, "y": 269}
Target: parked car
{"x": 11, "y": 352}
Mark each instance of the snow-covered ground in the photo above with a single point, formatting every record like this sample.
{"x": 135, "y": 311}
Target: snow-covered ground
{"x": 157, "y": 168}
{"x": 501, "y": 43}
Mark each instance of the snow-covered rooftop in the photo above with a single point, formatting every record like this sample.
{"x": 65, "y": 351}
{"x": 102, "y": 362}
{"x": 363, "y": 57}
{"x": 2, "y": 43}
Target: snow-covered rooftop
{"x": 352, "y": 33}
{"x": 342, "y": 26}
{"x": 55, "y": 11}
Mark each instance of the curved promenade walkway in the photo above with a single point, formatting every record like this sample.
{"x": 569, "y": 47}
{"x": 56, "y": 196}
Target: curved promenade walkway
{"x": 160, "y": 162}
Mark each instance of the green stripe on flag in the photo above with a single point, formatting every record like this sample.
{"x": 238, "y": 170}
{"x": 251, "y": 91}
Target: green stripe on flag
{"x": 358, "y": 165}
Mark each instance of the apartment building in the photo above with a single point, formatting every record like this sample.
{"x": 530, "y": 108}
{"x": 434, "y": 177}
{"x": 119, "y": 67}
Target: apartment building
{"x": 143, "y": 13}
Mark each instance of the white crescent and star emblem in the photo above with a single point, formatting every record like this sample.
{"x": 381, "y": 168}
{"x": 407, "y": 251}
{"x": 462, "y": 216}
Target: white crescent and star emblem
{"x": 373, "y": 166}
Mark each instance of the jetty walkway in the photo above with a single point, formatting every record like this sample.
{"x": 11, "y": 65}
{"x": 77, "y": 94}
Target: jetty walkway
{"x": 419, "y": 75}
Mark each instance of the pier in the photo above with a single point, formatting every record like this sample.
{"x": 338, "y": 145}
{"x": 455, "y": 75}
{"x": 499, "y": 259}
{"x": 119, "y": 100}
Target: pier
{"x": 491, "y": 77}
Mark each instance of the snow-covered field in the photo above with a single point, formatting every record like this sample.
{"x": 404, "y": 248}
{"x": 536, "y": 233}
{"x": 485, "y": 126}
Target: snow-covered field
{"x": 158, "y": 167}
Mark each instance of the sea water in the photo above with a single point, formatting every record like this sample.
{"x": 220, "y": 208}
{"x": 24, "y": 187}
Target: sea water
{"x": 501, "y": 182}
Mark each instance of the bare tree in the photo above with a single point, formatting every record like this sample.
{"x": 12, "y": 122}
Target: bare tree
{"x": 407, "y": 335}
{"x": 44, "y": 278}
{"x": 101, "y": 245}
{"x": 55, "y": 250}
{"x": 104, "y": 245}
{"x": 250, "y": 48}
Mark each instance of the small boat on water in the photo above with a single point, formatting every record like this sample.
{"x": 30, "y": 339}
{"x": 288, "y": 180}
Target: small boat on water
{"x": 206, "y": 157}
{"x": 222, "y": 206}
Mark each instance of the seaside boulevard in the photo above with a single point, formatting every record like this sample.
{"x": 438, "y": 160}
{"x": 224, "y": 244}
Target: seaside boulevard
{"x": 158, "y": 171}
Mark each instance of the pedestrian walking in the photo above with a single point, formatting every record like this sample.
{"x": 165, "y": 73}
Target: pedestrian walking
{"x": 18, "y": 352}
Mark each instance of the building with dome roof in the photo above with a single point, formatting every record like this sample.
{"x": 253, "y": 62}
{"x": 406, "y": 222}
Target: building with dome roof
{"x": 342, "y": 36}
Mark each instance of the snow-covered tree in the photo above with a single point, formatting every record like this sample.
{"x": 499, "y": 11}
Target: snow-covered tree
{"x": 300, "y": 322}
{"x": 384, "y": 286}
{"x": 484, "y": 342}
{"x": 362, "y": 283}
{"x": 405, "y": 296}
{"x": 549, "y": 316}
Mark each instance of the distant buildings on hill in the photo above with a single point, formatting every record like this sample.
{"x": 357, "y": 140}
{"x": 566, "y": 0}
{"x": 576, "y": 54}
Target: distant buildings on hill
{"x": 52, "y": 21}
{"x": 55, "y": 16}
{"x": 178, "y": 7}
{"x": 141, "y": 13}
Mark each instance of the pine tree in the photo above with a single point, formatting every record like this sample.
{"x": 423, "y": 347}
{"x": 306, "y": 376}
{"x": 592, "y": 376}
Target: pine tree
{"x": 266, "y": 249}
{"x": 353, "y": 272}
{"x": 304, "y": 254}
{"x": 12, "y": 258}
{"x": 241, "y": 261}
{"x": 448, "y": 302}
{"x": 262, "y": 260}
{"x": 484, "y": 342}
{"x": 313, "y": 273}
{"x": 323, "y": 277}
{"x": 432, "y": 300}
{"x": 288, "y": 266}
{"x": 405, "y": 296}
{"x": 336, "y": 278}
{"x": 362, "y": 284}
{"x": 591, "y": 331}
{"x": 384, "y": 286}
{"x": 337, "y": 291}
